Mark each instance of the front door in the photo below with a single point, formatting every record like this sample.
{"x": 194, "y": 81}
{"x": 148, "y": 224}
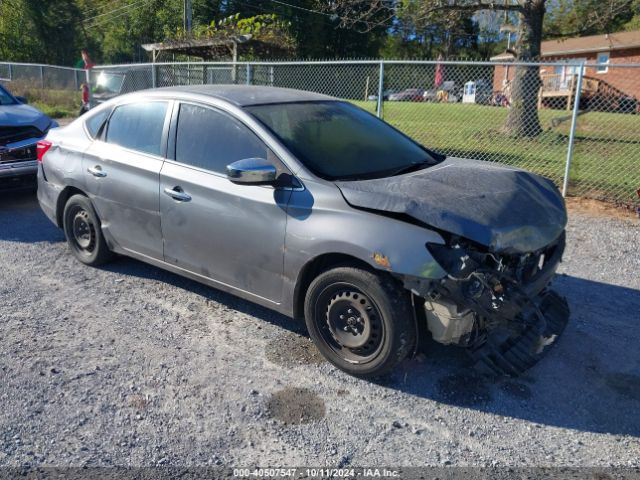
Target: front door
{"x": 232, "y": 234}
{"x": 122, "y": 173}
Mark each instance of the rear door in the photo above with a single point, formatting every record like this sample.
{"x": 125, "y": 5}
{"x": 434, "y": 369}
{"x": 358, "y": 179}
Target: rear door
{"x": 122, "y": 170}
{"x": 233, "y": 234}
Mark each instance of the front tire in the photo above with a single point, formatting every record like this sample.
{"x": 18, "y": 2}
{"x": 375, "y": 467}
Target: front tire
{"x": 360, "y": 321}
{"x": 83, "y": 232}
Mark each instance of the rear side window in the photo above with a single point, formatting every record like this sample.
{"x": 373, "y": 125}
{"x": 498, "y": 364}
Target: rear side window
{"x": 210, "y": 139}
{"x": 95, "y": 122}
{"x": 138, "y": 126}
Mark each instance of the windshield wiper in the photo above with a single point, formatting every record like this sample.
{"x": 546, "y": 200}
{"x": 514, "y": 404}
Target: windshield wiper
{"x": 411, "y": 168}
{"x": 386, "y": 173}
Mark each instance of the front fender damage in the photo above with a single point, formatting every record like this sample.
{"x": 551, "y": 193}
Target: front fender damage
{"x": 498, "y": 307}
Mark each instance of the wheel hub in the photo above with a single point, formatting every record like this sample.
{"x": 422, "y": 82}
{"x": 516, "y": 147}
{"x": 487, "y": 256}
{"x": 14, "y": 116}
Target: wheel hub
{"x": 83, "y": 230}
{"x": 350, "y": 319}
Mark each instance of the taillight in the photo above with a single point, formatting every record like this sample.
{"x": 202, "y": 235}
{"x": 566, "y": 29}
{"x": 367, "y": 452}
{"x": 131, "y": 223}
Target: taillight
{"x": 42, "y": 147}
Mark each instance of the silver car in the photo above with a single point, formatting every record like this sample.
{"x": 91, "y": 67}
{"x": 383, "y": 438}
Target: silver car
{"x": 317, "y": 209}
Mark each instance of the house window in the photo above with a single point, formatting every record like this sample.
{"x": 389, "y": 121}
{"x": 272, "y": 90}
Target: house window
{"x": 603, "y": 62}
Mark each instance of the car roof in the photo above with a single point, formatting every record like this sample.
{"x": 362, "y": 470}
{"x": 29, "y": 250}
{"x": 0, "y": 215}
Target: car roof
{"x": 245, "y": 95}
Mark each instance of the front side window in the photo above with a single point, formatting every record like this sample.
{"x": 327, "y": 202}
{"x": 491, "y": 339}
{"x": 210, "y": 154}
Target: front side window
{"x": 210, "y": 139}
{"x": 339, "y": 141}
{"x": 603, "y": 62}
{"x": 138, "y": 126}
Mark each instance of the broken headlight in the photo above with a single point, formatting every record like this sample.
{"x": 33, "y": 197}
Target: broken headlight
{"x": 455, "y": 259}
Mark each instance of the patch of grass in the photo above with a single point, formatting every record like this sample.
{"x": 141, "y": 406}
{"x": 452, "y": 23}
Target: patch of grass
{"x": 606, "y": 161}
{"x": 55, "y": 103}
{"x": 55, "y": 111}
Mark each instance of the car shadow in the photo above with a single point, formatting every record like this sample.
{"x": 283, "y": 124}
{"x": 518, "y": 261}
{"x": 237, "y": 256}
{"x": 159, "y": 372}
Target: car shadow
{"x": 22, "y": 220}
{"x": 589, "y": 381}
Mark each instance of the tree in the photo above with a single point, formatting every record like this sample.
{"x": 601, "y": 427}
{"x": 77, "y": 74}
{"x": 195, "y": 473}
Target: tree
{"x": 522, "y": 119}
{"x": 414, "y": 35}
{"x": 568, "y": 18}
{"x": 35, "y": 31}
{"x": 316, "y": 35}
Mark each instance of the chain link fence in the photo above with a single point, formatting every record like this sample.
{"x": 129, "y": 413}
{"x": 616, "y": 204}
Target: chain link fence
{"x": 42, "y": 76}
{"x": 574, "y": 123}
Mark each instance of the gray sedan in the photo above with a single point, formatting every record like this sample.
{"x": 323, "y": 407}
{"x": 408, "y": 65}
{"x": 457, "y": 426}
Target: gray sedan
{"x": 313, "y": 207}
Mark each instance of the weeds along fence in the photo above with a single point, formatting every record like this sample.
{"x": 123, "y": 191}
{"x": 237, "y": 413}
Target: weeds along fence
{"x": 576, "y": 123}
{"x": 42, "y": 76}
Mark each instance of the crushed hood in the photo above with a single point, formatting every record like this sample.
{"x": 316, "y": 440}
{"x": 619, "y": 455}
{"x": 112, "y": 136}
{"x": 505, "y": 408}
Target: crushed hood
{"x": 21, "y": 115}
{"x": 504, "y": 209}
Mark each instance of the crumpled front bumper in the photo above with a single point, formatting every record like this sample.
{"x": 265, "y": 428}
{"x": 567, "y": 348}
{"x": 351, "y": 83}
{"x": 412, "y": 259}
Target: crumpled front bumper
{"x": 499, "y": 307}
{"x": 502, "y": 354}
{"x": 18, "y": 163}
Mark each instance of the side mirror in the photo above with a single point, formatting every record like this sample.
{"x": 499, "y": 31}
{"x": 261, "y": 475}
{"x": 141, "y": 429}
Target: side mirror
{"x": 252, "y": 171}
{"x": 22, "y": 99}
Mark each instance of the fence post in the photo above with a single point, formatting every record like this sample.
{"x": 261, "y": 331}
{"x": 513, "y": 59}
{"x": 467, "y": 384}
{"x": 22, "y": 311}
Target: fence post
{"x": 10, "y": 72}
{"x": 42, "y": 76}
{"x": 154, "y": 80}
{"x": 572, "y": 133}
{"x": 87, "y": 79}
{"x": 249, "y": 79}
{"x": 380, "y": 90}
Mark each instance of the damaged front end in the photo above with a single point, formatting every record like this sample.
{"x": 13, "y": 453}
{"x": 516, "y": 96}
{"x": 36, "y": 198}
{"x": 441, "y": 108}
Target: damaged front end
{"x": 496, "y": 305}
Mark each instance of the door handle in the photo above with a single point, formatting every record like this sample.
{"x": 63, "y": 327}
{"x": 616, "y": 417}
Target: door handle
{"x": 96, "y": 171}
{"x": 177, "y": 194}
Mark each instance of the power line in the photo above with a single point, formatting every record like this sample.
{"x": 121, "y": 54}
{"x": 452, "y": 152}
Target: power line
{"x": 116, "y": 10}
{"x": 98, "y": 8}
{"x": 304, "y": 9}
{"x": 256, "y": 8}
{"x": 317, "y": 12}
{"x": 140, "y": 4}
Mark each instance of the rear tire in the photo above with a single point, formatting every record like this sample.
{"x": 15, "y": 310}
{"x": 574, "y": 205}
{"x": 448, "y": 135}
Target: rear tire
{"x": 360, "y": 321}
{"x": 82, "y": 229}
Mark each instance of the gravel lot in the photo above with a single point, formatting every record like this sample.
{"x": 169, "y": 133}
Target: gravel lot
{"x": 130, "y": 365}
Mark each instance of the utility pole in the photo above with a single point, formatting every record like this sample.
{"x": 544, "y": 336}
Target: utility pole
{"x": 188, "y": 15}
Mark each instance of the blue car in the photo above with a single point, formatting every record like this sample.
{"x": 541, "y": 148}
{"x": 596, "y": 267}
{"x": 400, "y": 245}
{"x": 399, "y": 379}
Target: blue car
{"x": 21, "y": 126}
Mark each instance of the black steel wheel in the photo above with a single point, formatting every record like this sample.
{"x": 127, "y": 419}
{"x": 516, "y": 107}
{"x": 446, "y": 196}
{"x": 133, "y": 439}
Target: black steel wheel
{"x": 82, "y": 230}
{"x": 353, "y": 324}
{"x": 360, "y": 321}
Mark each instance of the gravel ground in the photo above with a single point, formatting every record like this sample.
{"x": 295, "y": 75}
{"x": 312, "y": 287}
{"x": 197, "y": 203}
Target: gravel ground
{"x": 133, "y": 366}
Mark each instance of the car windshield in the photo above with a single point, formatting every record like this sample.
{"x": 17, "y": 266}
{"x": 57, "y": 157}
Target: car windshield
{"x": 339, "y": 141}
{"x": 5, "y": 97}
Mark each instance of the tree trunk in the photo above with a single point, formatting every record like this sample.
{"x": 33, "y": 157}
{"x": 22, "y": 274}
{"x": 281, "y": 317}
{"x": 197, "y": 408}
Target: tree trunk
{"x": 522, "y": 119}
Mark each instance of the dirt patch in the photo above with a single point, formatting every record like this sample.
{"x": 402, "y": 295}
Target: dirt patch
{"x": 463, "y": 389}
{"x": 601, "y": 209}
{"x": 291, "y": 349}
{"x": 138, "y": 402}
{"x": 294, "y": 406}
{"x": 626, "y": 384}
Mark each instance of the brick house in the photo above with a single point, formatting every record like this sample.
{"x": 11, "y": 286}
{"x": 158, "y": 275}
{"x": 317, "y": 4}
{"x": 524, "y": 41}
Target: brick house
{"x": 602, "y": 78}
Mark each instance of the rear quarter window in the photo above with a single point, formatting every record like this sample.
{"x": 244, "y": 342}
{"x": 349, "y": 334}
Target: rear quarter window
{"x": 96, "y": 121}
